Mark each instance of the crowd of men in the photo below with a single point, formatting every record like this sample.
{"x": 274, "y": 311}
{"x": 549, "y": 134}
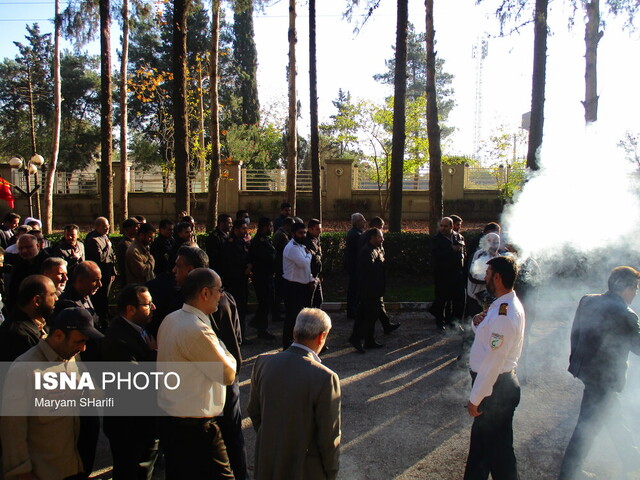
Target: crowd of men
{"x": 178, "y": 302}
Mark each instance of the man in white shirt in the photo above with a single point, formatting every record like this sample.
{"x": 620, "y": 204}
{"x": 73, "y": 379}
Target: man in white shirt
{"x": 496, "y": 392}
{"x": 299, "y": 283}
{"x": 190, "y": 435}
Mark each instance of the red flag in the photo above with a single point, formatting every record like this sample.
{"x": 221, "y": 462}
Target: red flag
{"x": 6, "y": 193}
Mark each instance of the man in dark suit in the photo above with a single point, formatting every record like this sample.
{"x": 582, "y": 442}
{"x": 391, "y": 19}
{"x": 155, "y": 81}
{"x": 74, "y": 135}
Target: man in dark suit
{"x": 28, "y": 261}
{"x": 99, "y": 249}
{"x": 351, "y": 250}
{"x": 604, "y": 331}
{"x": 9, "y": 224}
{"x": 226, "y": 325}
{"x": 27, "y": 322}
{"x": 300, "y": 437}
{"x": 133, "y": 440}
{"x": 216, "y": 240}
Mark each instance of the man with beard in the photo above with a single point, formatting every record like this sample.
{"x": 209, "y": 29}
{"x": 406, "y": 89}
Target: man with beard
{"x": 604, "y": 331}
{"x": 55, "y": 269}
{"x": 162, "y": 247}
{"x": 27, "y": 323}
{"x": 27, "y": 261}
{"x": 495, "y": 393}
{"x": 133, "y": 440}
{"x": 139, "y": 262}
{"x": 99, "y": 249}
{"x": 216, "y": 240}
{"x": 85, "y": 282}
{"x": 312, "y": 242}
{"x": 263, "y": 258}
{"x": 9, "y": 224}
{"x": 236, "y": 270}
{"x": 351, "y": 250}
{"x": 69, "y": 247}
{"x": 129, "y": 229}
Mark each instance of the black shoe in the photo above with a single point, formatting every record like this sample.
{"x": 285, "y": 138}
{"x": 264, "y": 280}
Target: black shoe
{"x": 373, "y": 344}
{"x": 246, "y": 341}
{"x": 265, "y": 335}
{"x": 356, "y": 344}
{"x": 391, "y": 328}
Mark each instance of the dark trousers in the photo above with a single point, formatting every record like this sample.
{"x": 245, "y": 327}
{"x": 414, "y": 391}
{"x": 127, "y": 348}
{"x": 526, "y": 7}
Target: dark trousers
{"x": 278, "y": 290}
{"x": 297, "y": 296}
{"x": 194, "y": 449}
{"x": 368, "y": 312}
{"x": 231, "y": 428}
{"x": 599, "y": 404}
{"x": 265, "y": 294}
{"x": 88, "y": 442}
{"x": 134, "y": 446}
{"x": 448, "y": 306}
{"x": 239, "y": 290}
{"x": 352, "y": 296}
{"x": 318, "y": 296}
{"x": 491, "y": 449}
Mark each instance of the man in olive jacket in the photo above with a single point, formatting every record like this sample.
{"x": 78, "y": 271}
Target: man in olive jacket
{"x": 297, "y": 439}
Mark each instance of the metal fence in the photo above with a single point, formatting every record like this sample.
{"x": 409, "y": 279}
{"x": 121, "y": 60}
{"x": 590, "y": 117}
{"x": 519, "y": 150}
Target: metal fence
{"x": 367, "y": 179}
{"x": 71, "y": 183}
{"x": 157, "y": 181}
{"x": 490, "y": 178}
{"x": 274, "y": 180}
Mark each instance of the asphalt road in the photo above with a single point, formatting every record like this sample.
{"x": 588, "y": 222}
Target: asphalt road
{"x": 403, "y": 406}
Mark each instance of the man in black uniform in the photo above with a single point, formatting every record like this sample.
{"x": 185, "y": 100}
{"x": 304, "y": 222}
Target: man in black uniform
{"x": 281, "y": 237}
{"x": 448, "y": 270}
{"x": 216, "y": 240}
{"x": 263, "y": 258}
{"x": 371, "y": 287}
{"x": 312, "y": 242}
{"x": 162, "y": 247}
{"x": 604, "y": 331}
{"x": 285, "y": 211}
{"x": 358, "y": 223}
{"x": 236, "y": 269}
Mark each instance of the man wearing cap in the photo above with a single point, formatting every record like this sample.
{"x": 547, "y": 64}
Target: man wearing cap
{"x": 46, "y": 448}
{"x": 27, "y": 322}
{"x": 190, "y": 434}
{"x": 299, "y": 283}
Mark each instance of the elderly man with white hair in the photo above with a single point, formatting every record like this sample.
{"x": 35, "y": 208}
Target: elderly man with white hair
{"x": 299, "y": 437}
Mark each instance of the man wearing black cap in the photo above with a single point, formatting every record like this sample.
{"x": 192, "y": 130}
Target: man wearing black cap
{"x": 48, "y": 450}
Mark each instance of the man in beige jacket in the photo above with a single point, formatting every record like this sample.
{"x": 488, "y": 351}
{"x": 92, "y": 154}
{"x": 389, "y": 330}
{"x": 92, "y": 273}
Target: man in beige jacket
{"x": 139, "y": 262}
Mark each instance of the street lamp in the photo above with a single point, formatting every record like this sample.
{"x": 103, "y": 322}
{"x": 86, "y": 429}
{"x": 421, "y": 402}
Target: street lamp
{"x": 28, "y": 169}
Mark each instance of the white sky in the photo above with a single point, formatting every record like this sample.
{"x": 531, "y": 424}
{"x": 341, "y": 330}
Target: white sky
{"x": 349, "y": 61}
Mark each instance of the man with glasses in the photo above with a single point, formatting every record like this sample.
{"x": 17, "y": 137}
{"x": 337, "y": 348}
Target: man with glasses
{"x": 133, "y": 440}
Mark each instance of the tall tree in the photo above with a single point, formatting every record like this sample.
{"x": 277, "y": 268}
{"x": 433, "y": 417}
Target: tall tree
{"x": 292, "y": 128}
{"x": 433, "y": 128}
{"x": 316, "y": 194}
{"x": 246, "y": 59}
{"x": 124, "y": 122}
{"x": 592, "y": 37}
{"x": 399, "y": 117}
{"x": 106, "y": 112}
{"x": 538, "y": 83}
{"x": 180, "y": 114}
{"x": 214, "y": 175}
{"x": 47, "y": 218}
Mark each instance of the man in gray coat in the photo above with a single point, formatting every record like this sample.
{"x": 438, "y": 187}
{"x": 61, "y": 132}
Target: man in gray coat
{"x": 298, "y": 439}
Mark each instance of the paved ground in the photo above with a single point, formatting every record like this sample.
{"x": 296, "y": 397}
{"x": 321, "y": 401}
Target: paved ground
{"x": 404, "y": 413}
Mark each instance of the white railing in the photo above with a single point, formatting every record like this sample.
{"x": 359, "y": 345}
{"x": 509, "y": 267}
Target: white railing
{"x": 155, "y": 181}
{"x": 366, "y": 179}
{"x": 490, "y": 178}
{"x": 65, "y": 183}
{"x": 274, "y": 180}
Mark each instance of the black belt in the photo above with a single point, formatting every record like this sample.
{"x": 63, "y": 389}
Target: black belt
{"x": 504, "y": 374}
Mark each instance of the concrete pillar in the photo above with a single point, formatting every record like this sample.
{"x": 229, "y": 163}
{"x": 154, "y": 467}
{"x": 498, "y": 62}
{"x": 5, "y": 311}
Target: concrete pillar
{"x": 339, "y": 179}
{"x": 453, "y": 181}
{"x": 229, "y": 191}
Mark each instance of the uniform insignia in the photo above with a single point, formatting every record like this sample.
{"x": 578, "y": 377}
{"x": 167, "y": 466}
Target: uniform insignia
{"x": 504, "y": 308}
{"x": 496, "y": 340}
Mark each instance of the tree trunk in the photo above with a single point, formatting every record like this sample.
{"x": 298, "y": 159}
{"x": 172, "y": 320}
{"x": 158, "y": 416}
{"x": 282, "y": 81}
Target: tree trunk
{"x": 214, "y": 175}
{"x": 399, "y": 118}
{"x": 106, "y": 111}
{"x": 292, "y": 141}
{"x": 592, "y": 37}
{"x": 181, "y": 135}
{"x": 246, "y": 58}
{"x": 124, "y": 198}
{"x": 433, "y": 128}
{"x": 539, "y": 79}
{"x": 34, "y": 148}
{"x": 47, "y": 218}
{"x": 316, "y": 193}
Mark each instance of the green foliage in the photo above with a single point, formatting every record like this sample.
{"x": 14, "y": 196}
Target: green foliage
{"x": 256, "y": 146}
{"x": 342, "y": 131}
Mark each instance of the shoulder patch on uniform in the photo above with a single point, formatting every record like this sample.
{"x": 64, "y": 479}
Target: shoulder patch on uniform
{"x": 504, "y": 308}
{"x": 496, "y": 341}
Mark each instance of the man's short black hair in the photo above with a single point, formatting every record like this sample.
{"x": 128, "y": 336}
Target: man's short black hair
{"x": 30, "y": 287}
{"x": 140, "y": 218}
{"x": 507, "y": 268}
{"x": 182, "y": 226}
{"x": 146, "y": 228}
{"x": 288, "y": 221}
{"x": 193, "y": 256}
{"x": 264, "y": 222}
{"x": 621, "y": 278}
{"x": 129, "y": 296}
{"x": 165, "y": 222}
{"x": 129, "y": 223}
{"x": 297, "y": 226}
{"x": 239, "y": 223}
{"x": 188, "y": 219}
{"x": 223, "y": 217}
{"x": 284, "y": 205}
{"x": 455, "y": 218}
{"x": 376, "y": 222}
{"x": 240, "y": 214}
{"x": 491, "y": 227}
{"x": 71, "y": 227}
{"x": 313, "y": 222}
{"x": 10, "y": 217}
